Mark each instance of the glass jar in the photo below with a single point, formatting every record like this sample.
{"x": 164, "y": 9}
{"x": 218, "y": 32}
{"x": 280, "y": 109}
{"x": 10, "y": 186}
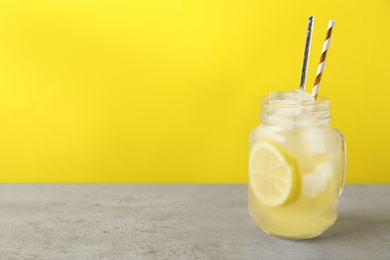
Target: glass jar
{"x": 311, "y": 153}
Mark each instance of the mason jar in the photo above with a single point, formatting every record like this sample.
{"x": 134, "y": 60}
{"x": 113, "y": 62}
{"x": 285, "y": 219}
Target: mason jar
{"x": 295, "y": 162}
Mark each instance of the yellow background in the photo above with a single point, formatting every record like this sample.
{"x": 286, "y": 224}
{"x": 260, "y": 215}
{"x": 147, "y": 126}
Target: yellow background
{"x": 167, "y": 91}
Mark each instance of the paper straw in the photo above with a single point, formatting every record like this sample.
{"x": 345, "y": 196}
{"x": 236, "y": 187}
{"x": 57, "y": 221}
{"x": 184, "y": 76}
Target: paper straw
{"x": 306, "y": 54}
{"x": 321, "y": 66}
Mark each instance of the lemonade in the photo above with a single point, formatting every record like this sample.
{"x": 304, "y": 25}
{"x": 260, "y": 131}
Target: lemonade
{"x": 294, "y": 166}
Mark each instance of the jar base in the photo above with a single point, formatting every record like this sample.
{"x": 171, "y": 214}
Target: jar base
{"x": 302, "y": 237}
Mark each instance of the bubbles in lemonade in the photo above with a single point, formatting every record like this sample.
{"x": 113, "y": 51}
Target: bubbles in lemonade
{"x": 294, "y": 166}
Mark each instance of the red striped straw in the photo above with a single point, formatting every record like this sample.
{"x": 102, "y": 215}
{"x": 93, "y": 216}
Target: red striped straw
{"x": 321, "y": 66}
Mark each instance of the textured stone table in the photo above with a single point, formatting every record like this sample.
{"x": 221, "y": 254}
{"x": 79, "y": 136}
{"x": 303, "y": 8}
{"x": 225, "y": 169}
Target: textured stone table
{"x": 175, "y": 221}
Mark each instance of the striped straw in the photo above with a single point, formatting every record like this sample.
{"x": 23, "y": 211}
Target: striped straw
{"x": 321, "y": 66}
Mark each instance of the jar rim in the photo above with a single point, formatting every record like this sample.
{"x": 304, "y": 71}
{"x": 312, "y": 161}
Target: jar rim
{"x": 317, "y": 110}
{"x": 320, "y": 101}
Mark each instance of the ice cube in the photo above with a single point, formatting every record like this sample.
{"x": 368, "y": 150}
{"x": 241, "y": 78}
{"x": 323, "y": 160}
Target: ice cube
{"x": 306, "y": 112}
{"x": 316, "y": 182}
{"x": 267, "y": 133}
{"x": 287, "y": 104}
{"x": 313, "y": 185}
{"x": 296, "y": 96}
{"x": 301, "y": 95}
{"x": 273, "y": 96}
{"x": 286, "y": 111}
{"x": 325, "y": 170}
{"x": 283, "y": 98}
{"x": 313, "y": 141}
{"x": 282, "y": 95}
{"x": 277, "y": 127}
{"x": 276, "y": 137}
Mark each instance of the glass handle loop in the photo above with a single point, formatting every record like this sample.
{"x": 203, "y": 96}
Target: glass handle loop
{"x": 343, "y": 161}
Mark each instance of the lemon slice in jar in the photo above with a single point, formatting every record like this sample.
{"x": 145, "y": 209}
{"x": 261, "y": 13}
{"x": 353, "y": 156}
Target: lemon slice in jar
{"x": 273, "y": 174}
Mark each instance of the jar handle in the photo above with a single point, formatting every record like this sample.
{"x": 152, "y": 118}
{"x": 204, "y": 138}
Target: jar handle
{"x": 343, "y": 162}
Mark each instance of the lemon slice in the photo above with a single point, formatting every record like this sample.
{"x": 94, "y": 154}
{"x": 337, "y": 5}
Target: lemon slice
{"x": 273, "y": 174}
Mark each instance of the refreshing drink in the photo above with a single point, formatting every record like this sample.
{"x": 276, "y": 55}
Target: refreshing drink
{"x": 294, "y": 166}
{"x": 295, "y": 158}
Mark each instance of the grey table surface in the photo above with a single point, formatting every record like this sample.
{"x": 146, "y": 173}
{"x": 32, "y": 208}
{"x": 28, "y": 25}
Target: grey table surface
{"x": 175, "y": 221}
